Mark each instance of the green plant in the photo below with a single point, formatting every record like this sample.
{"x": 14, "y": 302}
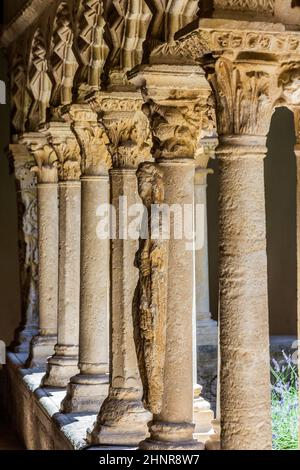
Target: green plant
{"x": 285, "y": 404}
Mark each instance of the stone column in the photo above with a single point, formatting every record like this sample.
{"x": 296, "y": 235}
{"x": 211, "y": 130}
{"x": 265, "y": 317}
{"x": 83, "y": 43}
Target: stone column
{"x": 42, "y": 345}
{"x": 63, "y": 364}
{"x": 122, "y": 420}
{"x": 25, "y": 179}
{"x": 176, "y": 126}
{"x": 296, "y": 111}
{"x": 207, "y": 331}
{"x": 87, "y": 390}
{"x": 244, "y": 110}
{"x": 245, "y": 367}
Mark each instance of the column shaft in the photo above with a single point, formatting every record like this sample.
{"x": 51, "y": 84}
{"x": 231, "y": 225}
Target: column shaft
{"x": 87, "y": 390}
{"x": 64, "y": 362}
{"x": 206, "y": 328}
{"x": 42, "y": 346}
{"x": 173, "y": 428}
{"x": 122, "y": 419}
{"x": 244, "y": 333}
{"x": 297, "y": 153}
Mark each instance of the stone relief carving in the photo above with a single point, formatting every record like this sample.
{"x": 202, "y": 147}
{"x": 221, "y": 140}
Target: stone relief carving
{"x": 205, "y": 41}
{"x": 150, "y": 304}
{"x": 289, "y": 83}
{"x": 28, "y": 243}
{"x": 63, "y": 61}
{"x": 175, "y": 128}
{"x": 91, "y": 42}
{"x": 266, "y": 6}
{"x": 245, "y": 98}
{"x": 40, "y": 84}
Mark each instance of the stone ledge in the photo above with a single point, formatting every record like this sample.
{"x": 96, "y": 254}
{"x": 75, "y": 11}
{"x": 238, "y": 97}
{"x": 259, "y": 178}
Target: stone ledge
{"x": 35, "y": 410}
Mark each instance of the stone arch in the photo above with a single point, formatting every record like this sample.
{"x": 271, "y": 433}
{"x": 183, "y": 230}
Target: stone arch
{"x": 91, "y": 42}
{"x": 62, "y": 58}
{"x": 169, "y": 16}
{"x": 20, "y": 99}
{"x": 280, "y": 190}
{"x": 39, "y": 82}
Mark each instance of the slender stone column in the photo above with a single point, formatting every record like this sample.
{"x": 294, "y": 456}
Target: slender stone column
{"x": 176, "y": 127}
{"x": 245, "y": 368}
{"x": 63, "y": 364}
{"x": 122, "y": 420}
{"x": 207, "y": 332}
{"x": 42, "y": 345}
{"x": 296, "y": 111}
{"x": 25, "y": 179}
{"x": 87, "y": 390}
{"x": 244, "y": 110}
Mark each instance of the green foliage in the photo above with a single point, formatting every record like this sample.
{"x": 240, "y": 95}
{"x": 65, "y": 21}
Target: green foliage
{"x": 285, "y": 404}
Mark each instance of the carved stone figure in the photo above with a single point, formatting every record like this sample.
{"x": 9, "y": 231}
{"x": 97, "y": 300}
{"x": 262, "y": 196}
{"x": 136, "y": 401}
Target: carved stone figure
{"x": 28, "y": 245}
{"x": 151, "y": 294}
{"x": 174, "y": 128}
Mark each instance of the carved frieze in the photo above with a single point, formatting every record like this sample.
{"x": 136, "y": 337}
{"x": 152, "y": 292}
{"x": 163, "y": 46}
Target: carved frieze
{"x": 195, "y": 45}
{"x": 261, "y": 6}
{"x": 150, "y": 313}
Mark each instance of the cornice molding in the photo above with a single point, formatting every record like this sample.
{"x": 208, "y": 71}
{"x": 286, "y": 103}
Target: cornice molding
{"x": 24, "y": 18}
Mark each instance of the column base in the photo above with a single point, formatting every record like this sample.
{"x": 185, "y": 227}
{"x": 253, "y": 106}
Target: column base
{"x": 122, "y": 420}
{"x": 85, "y": 393}
{"x": 23, "y": 338}
{"x": 214, "y": 441}
{"x": 171, "y": 436}
{"x": 203, "y": 418}
{"x": 59, "y": 371}
{"x": 41, "y": 348}
{"x": 207, "y": 333}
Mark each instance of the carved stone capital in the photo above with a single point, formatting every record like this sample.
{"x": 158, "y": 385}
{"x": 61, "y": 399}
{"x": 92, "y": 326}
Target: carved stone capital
{"x": 22, "y": 162}
{"x": 289, "y": 84}
{"x": 206, "y": 151}
{"x": 44, "y": 156}
{"x": 67, "y": 150}
{"x": 92, "y": 139}
{"x": 175, "y": 101}
{"x": 246, "y": 92}
{"x": 127, "y": 127}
